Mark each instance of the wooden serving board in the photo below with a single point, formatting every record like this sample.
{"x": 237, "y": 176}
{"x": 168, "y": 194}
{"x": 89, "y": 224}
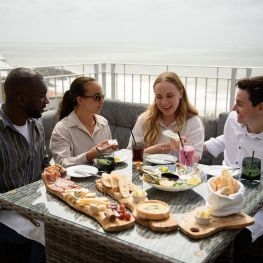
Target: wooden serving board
{"x": 192, "y": 229}
{"x": 164, "y": 225}
{"x": 107, "y": 225}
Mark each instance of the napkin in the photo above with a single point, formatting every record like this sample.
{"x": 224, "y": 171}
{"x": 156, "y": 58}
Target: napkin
{"x": 257, "y": 228}
{"x": 23, "y": 226}
{"x": 224, "y": 205}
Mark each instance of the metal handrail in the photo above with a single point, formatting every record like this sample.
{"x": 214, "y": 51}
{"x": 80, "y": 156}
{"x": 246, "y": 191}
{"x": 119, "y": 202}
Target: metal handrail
{"x": 210, "y": 88}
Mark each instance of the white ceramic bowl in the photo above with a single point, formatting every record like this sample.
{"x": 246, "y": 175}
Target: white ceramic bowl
{"x": 139, "y": 198}
{"x": 202, "y": 220}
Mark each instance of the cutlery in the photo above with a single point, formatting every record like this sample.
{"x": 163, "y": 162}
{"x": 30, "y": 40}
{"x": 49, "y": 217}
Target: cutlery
{"x": 85, "y": 173}
{"x": 31, "y": 218}
{"x": 233, "y": 168}
{"x": 160, "y": 160}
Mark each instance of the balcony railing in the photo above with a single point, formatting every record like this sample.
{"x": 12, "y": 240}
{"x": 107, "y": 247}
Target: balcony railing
{"x": 210, "y": 88}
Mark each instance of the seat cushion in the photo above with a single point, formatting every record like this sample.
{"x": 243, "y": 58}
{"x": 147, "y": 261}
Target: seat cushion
{"x": 49, "y": 119}
{"x": 210, "y": 125}
{"x": 120, "y": 116}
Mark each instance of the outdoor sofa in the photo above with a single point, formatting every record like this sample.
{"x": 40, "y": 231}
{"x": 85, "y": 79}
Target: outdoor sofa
{"x": 121, "y": 115}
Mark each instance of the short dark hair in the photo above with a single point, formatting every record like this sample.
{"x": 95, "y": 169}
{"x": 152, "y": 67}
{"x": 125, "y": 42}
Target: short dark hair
{"x": 254, "y": 87}
{"x": 20, "y": 81}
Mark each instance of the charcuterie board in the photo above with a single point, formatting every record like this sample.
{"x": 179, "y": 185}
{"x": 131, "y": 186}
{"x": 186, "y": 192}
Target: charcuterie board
{"x": 81, "y": 199}
{"x": 191, "y": 228}
{"x": 108, "y": 184}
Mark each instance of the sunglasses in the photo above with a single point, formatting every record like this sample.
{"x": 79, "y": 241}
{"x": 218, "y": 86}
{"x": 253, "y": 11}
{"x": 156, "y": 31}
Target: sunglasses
{"x": 97, "y": 97}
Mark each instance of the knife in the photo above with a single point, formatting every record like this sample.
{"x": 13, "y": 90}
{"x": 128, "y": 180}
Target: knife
{"x": 84, "y": 173}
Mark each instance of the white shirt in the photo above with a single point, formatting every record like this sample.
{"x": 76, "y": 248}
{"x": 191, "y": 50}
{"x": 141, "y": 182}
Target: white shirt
{"x": 193, "y": 131}
{"x": 236, "y": 143}
{"x": 24, "y": 130}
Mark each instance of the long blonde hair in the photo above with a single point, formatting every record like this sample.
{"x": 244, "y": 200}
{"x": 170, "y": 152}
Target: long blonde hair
{"x": 184, "y": 111}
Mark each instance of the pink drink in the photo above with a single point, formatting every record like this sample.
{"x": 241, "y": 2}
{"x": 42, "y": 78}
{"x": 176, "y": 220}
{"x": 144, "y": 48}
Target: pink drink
{"x": 186, "y": 155}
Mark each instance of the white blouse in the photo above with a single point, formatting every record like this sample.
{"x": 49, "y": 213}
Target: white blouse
{"x": 70, "y": 139}
{"x": 193, "y": 132}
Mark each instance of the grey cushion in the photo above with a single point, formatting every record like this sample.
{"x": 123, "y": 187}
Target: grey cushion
{"x": 219, "y": 130}
{"x": 210, "y": 125}
{"x": 120, "y": 115}
{"x": 49, "y": 119}
{"x": 221, "y": 122}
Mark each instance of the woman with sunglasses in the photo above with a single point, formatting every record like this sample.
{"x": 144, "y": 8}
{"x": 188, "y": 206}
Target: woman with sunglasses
{"x": 81, "y": 131}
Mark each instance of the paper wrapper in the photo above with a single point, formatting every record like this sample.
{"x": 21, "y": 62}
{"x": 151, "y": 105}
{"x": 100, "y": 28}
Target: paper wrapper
{"x": 224, "y": 205}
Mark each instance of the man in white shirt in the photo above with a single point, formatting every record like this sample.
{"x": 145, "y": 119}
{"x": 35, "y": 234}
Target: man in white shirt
{"x": 243, "y": 137}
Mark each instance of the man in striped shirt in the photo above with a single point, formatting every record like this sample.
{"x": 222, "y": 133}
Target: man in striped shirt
{"x": 22, "y": 154}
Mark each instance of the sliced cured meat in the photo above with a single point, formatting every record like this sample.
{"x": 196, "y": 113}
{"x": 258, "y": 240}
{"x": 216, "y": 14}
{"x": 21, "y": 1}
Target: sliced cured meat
{"x": 53, "y": 187}
{"x": 65, "y": 183}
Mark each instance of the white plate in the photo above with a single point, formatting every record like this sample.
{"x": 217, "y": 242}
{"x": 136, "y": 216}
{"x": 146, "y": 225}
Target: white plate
{"x": 178, "y": 188}
{"x": 81, "y": 171}
{"x": 156, "y": 169}
{"x": 170, "y": 188}
{"x": 216, "y": 170}
{"x": 161, "y": 158}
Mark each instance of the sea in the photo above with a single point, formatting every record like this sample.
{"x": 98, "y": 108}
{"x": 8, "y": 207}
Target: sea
{"x": 45, "y": 54}
{"x": 56, "y": 54}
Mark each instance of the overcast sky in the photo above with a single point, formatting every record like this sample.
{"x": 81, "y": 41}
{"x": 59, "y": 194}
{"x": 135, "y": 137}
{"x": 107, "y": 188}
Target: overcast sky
{"x": 182, "y": 23}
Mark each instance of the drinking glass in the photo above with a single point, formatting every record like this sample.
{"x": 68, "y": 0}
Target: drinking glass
{"x": 251, "y": 168}
{"x": 137, "y": 150}
{"x": 186, "y": 154}
{"x": 105, "y": 162}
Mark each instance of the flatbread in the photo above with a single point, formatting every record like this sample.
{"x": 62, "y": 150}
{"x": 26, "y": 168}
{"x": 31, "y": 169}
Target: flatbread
{"x": 124, "y": 186}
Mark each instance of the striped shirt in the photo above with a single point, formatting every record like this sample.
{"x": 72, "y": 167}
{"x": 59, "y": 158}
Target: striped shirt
{"x": 20, "y": 163}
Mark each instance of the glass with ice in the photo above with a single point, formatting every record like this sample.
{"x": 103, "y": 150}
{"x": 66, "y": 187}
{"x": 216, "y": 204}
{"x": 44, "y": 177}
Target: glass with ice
{"x": 137, "y": 149}
{"x": 186, "y": 154}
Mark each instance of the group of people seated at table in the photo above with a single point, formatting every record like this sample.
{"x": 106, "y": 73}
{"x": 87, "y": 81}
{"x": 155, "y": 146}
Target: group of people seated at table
{"x": 81, "y": 133}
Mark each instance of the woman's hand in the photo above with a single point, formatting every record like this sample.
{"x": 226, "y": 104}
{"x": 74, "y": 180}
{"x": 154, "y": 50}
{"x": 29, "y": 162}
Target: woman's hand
{"x": 159, "y": 148}
{"x": 175, "y": 144}
{"x": 104, "y": 146}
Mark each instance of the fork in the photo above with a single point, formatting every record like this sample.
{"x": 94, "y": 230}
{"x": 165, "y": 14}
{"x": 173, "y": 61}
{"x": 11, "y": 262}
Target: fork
{"x": 233, "y": 168}
{"x": 85, "y": 173}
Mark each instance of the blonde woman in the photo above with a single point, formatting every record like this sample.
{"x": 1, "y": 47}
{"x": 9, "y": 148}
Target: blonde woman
{"x": 170, "y": 110}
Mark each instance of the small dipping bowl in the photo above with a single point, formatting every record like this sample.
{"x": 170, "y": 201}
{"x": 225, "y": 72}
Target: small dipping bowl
{"x": 137, "y": 197}
{"x": 202, "y": 220}
{"x": 170, "y": 176}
